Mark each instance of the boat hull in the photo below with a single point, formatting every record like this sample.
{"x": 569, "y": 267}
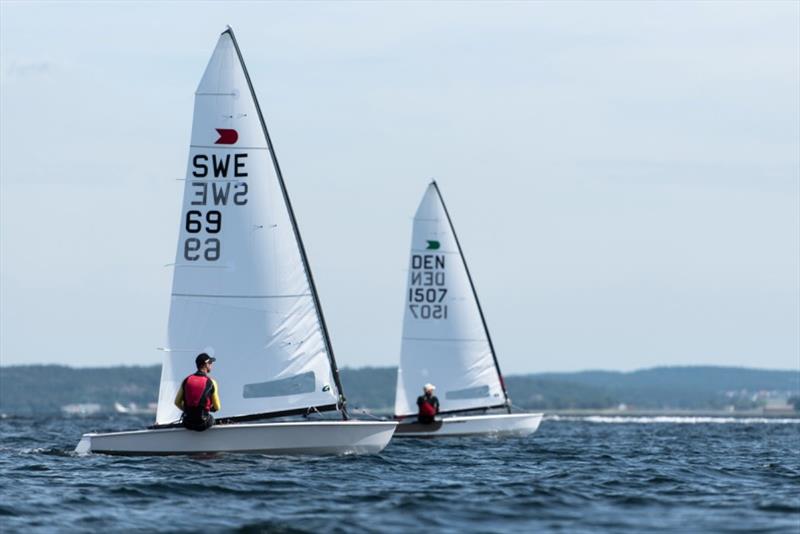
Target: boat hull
{"x": 473, "y": 425}
{"x": 305, "y": 437}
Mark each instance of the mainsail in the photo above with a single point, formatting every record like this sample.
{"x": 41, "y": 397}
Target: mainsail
{"x": 242, "y": 289}
{"x": 445, "y": 339}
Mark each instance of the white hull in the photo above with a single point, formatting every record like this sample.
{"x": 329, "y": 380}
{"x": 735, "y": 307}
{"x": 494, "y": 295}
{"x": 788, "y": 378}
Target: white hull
{"x": 305, "y": 437}
{"x": 471, "y": 425}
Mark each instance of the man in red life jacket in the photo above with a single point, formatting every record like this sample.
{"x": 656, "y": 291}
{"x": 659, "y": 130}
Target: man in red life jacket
{"x": 199, "y": 395}
{"x": 428, "y": 405}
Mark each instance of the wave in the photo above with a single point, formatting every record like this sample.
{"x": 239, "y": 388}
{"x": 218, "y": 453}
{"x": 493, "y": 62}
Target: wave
{"x": 674, "y": 419}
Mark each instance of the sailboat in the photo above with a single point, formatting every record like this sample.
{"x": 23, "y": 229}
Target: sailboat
{"x": 242, "y": 291}
{"x": 445, "y": 339}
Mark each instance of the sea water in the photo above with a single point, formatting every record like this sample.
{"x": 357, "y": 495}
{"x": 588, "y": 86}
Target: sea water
{"x": 576, "y": 474}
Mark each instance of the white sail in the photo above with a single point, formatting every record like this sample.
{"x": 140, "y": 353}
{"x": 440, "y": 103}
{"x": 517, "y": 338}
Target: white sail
{"x": 241, "y": 288}
{"x": 445, "y": 341}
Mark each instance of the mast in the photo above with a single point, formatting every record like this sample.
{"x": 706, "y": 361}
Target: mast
{"x": 318, "y": 307}
{"x": 475, "y": 295}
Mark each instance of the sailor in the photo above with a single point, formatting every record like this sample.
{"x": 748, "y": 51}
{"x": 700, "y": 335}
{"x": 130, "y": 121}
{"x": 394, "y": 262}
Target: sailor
{"x": 199, "y": 395}
{"x": 428, "y": 405}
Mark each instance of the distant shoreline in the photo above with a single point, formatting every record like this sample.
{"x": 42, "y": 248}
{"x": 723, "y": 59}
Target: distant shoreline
{"x": 657, "y": 392}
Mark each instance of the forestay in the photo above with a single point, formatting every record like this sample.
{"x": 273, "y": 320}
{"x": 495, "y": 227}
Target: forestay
{"x": 241, "y": 288}
{"x": 445, "y": 340}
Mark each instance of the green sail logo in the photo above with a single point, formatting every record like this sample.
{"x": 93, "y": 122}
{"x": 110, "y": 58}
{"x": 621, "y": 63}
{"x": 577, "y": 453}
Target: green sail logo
{"x": 433, "y": 245}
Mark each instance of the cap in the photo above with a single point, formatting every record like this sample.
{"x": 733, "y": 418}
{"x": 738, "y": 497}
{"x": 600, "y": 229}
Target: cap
{"x": 427, "y": 387}
{"x": 203, "y": 358}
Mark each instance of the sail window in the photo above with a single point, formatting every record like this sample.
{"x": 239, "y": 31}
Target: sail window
{"x": 468, "y": 393}
{"x": 293, "y": 385}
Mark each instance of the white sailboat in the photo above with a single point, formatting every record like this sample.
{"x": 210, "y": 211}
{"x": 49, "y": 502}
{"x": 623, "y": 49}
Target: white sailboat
{"x": 242, "y": 290}
{"x": 446, "y": 341}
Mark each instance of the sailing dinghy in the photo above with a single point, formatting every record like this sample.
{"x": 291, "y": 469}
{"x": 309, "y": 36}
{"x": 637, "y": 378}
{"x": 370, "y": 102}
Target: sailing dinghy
{"x": 242, "y": 290}
{"x": 446, "y": 341}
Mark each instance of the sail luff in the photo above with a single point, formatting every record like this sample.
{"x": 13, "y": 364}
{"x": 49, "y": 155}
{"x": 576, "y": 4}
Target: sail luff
{"x": 474, "y": 294}
{"x": 318, "y": 307}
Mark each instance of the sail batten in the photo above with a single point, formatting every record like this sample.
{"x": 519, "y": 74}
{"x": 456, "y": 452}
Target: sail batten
{"x": 445, "y": 339}
{"x": 259, "y": 315}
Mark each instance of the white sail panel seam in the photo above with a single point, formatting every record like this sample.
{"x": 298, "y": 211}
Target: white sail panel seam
{"x": 199, "y": 295}
{"x": 188, "y": 265}
{"x": 217, "y": 147}
{"x": 470, "y": 340}
{"x": 209, "y": 180}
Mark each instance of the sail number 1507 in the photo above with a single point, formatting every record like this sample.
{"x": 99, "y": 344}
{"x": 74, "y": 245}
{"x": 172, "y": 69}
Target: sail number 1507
{"x": 419, "y": 298}
{"x": 428, "y": 311}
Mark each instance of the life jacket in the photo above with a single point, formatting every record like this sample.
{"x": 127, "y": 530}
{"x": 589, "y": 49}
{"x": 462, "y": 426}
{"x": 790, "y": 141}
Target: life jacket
{"x": 197, "y": 390}
{"x": 426, "y": 408}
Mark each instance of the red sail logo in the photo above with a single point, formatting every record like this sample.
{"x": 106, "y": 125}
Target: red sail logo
{"x": 226, "y": 136}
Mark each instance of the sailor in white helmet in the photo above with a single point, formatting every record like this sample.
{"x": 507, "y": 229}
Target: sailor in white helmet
{"x": 428, "y": 405}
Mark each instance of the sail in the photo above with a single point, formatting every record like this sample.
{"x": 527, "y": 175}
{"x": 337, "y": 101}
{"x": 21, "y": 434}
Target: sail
{"x": 445, "y": 340}
{"x": 241, "y": 288}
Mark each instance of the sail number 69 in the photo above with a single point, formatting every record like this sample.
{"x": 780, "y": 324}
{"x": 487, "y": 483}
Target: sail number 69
{"x": 194, "y": 248}
{"x": 194, "y": 221}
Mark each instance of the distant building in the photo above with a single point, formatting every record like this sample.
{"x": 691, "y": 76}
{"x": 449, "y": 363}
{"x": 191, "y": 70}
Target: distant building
{"x": 778, "y": 406}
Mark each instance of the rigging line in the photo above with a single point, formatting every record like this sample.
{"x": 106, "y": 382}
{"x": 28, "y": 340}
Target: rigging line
{"x": 272, "y": 415}
{"x": 366, "y": 412}
{"x": 312, "y": 410}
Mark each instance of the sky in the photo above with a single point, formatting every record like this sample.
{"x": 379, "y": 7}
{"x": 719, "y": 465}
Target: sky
{"x": 624, "y": 177}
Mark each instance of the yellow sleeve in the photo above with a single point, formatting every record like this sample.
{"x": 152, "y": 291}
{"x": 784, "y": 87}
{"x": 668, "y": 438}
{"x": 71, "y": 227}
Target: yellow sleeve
{"x": 215, "y": 405}
{"x": 179, "y": 398}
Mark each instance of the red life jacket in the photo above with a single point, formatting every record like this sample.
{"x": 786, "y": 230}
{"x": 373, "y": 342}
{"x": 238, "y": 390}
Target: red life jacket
{"x": 427, "y": 409}
{"x": 197, "y": 388}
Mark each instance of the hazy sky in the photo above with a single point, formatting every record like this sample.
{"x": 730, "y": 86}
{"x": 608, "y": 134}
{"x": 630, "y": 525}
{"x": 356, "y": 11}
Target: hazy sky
{"x": 624, "y": 177}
